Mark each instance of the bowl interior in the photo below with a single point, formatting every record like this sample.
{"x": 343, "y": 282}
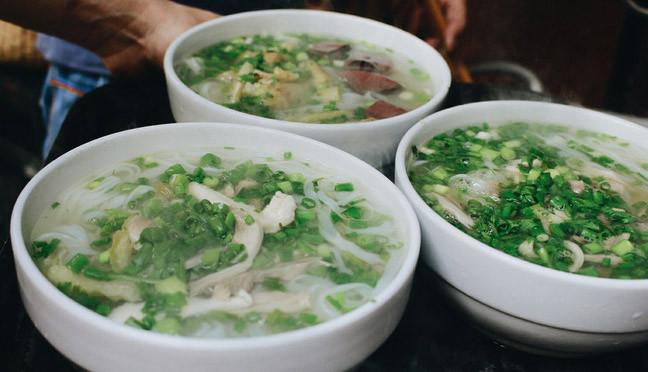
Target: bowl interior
{"x": 335, "y": 25}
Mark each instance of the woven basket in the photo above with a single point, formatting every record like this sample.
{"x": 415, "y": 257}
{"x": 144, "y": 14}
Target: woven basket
{"x": 17, "y": 45}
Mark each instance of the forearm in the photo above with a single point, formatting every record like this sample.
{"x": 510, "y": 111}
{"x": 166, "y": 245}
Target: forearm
{"x": 89, "y": 23}
{"x": 126, "y": 34}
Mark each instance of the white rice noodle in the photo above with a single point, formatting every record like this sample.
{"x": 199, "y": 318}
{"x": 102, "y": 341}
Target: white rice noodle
{"x": 127, "y": 171}
{"x": 390, "y": 270}
{"x": 375, "y": 230}
{"x": 479, "y": 183}
{"x": 73, "y": 237}
{"x": 330, "y": 233}
{"x": 577, "y": 255}
{"x": 355, "y": 294}
{"x": 526, "y": 249}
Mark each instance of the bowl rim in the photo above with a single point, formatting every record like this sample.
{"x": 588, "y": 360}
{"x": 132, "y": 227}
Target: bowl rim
{"x": 49, "y": 291}
{"x": 421, "y": 207}
{"x": 172, "y": 77}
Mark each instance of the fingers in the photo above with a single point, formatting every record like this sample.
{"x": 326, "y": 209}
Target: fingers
{"x": 433, "y": 41}
{"x": 174, "y": 22}
{"x": 455, "y": 11}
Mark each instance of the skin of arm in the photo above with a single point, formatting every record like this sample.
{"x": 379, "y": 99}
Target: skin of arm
{"x": 411, "y": 14}
{"x": 128, "y": 35}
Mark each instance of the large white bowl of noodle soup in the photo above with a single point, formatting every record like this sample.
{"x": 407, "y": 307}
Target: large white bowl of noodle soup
{"x": 374, "y": 142}
{"x": 517, "y": 302}
{"x": 99, "y": 344}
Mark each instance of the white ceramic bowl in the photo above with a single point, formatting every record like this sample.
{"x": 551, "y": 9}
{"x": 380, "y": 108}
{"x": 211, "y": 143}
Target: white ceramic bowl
{"x": 99, "y": 344}
{"x": 374, "y": 142}
{"x": 525, "y": 304}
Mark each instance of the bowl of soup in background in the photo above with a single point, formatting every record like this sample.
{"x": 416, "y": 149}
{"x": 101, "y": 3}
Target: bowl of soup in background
{"x": 374, "y": 141}
{"x": 521, "y": 303}
{"x": 97, "y": 343}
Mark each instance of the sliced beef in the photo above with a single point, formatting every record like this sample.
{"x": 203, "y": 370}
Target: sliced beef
{"x": 367, "y": 62}
{"x": 383, "y": 110}
{"x": 362, "y": 81}
{"x": 329, "y": 49}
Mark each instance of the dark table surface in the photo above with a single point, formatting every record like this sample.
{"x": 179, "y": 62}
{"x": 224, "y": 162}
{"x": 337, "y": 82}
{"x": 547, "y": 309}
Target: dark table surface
{"x": 432, "y": 335}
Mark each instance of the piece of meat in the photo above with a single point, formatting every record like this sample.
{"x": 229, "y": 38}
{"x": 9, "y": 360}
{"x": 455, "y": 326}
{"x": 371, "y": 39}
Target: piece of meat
{"x": 245, "y": 183}
{"x": 278, "y": 213}
{"x": 251, "y": 237}
{"x": 362, "y": 81}
{"x": 368, "y": 62}
{"x": 135, "y": 224}
{"x": 454, "y": 210}
{"x": 614, "y": 240}
{"x": 383, "y": 110}
{"x": 127, "y": 310}
{"x": 198, "y": 305}
{"x": 329, "y": 49}
{"x": 287, "y": 302}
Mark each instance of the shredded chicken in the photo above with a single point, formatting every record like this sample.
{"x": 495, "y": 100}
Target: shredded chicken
{"x": 116, "y": 290}
{"x": 526, "y": 249}
{"x": 598, "y": 258}
{"x": 134, "y": 225}
{"x": 244, "y": 184}
{"x": 271, "y": 57}
{"x": 318, "y": 76}
{"x": 239, "y": 282}
{"x": 198, "y": 305}
{"x": 614, "y": 240}
{"x": 547, "y": 217}
{"x": 454, "y": 210}
{"x": 244, "y": 302}
{"x": 577, "y": 186}
{"x": 123, "y": 312}
{"x": 287, "y": 302}
{"x": 251, "y": 237}
{"x": 278, "y": 213}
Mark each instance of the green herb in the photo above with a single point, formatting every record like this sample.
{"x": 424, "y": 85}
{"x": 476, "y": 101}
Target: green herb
{"x": 78, "y": 262}
{"x": 210, "y": 160}
{"x": 344, "y": 187}
{"x": 331, "y": 106}
{"x": 41, "y": 249}
{"x": 419, "y": 75}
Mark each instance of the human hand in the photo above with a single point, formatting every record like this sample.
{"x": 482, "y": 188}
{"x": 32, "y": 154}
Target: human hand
{"x": 144, "y": 40}
{"x": 410, "y": 14}
{"x": 128, "y": 35}
{"x": 455, "y": 16}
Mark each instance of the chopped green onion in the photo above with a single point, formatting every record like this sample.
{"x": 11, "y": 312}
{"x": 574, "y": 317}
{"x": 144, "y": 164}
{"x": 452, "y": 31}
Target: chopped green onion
{"x": 78, "y": 262}
{"x": 344, "y": 187}
{"x": 308, "y": 203}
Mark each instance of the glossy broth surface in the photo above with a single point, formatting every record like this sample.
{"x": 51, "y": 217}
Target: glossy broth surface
{"x": 307, "y": 78}
{"x": 219, "y": 242}
{"x": 572, "y": 200}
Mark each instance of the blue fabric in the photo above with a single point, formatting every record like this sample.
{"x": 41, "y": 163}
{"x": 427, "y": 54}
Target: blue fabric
{"x": 63, "y": 86}
{"x": 70, "y": 55}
